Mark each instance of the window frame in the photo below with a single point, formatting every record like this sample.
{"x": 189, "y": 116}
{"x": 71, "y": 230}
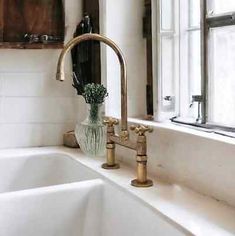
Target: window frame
{"x": 163, "y": 112}
{"x": 210, "y": 21}
{"x": 207, "y": 21}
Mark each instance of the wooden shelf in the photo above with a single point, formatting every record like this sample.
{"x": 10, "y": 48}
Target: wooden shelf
{"x": 23, "y": 45}
{"x": 18, "y": 18}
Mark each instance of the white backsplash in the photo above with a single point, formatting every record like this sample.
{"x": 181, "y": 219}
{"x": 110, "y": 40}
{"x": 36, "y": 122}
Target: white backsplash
{"x": 121, "y": 21}
{"x": 35, "y": 108}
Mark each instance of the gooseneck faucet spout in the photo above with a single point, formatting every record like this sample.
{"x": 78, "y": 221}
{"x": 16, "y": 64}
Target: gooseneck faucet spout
{"x": 60, "y": 75}
{"x": 140, "y": 146}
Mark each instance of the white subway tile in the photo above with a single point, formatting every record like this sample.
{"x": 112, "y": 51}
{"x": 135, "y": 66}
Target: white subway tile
{"x": 37, "y": 110}
{"x": 35, "y": 85}
{"x": 1, "y": 86}
{"x": 52, "y": 134}
{"x": 22, "y": 84}
{"x": 13, "y": 135}
{"x": 55, "y": 88}
{"x": 80, "y": 109}
{"x": 32, "y": 135}
{"x": 28, "y": 60}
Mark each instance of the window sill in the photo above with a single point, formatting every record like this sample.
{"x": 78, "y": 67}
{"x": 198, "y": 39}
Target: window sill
{"x": 187, "y": 129}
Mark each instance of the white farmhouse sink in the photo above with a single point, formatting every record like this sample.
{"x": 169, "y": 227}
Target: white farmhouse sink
{"x": 31, "y": 171}
{"x": 56, "y": 191}
{"x": 53, "y": 194}
{"x": 87, "y": 208}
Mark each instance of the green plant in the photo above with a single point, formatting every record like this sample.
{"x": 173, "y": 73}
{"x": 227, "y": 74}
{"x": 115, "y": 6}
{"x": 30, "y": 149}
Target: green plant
{"x": 94, "y": 93}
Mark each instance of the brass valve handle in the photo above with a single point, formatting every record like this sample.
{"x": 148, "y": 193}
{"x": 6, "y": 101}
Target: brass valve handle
{"x": 141, "y": 129}
{"x": 110, "y": 121}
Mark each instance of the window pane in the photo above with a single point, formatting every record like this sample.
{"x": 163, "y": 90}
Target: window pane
{"x": 222, "y": 76}
{"x": 194, "y": 69}
{"x": 194, "y": 63}
{"x": 167, "y": 70}
{"x": 222, "y": 6}
{"x": 166, "y": 14}
{"x": 194, "y": 13}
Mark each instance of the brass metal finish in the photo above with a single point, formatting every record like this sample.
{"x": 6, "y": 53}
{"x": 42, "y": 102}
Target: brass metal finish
{"x": 60, "y": 75}
{"x": 141, "y": 129}
{"x": 107, "y": 167}
{"x": 124, "y": 135}
{"x": 111, "y": 163}
{"x": 110, "y": 145}
{"x": 140, "y": 146}
{"x": 141, "y": 156}
{"x": 141, "y": 171}
{"x": 136, "y": 183}
{"x": 125, "y": 143}
{"x": 123, "y": 138}
{"x": 110, "y": 121}
{"x": 110, "y": 154}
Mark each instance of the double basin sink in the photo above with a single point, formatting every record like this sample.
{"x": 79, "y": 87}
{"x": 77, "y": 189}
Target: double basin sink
{"x": 55, "y": 195}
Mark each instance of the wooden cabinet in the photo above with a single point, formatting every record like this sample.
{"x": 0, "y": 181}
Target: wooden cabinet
{"x": 91, "y": 7}
{"x": 41, "y": 20}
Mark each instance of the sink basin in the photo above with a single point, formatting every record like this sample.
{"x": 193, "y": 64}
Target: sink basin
{"x": 86, "y": 208}
{"x": 56, "y": 191}
{"x": 32, "y": 171}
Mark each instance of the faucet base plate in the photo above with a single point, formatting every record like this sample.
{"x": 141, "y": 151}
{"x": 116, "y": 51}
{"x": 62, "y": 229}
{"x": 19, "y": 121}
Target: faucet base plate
{"x": 146, "y": 184}
{"x": 112, "y": 167}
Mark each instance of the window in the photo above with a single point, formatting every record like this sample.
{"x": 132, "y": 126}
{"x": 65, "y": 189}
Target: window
{"x": 194, "y": 54}
{"x": 165, "y": 56}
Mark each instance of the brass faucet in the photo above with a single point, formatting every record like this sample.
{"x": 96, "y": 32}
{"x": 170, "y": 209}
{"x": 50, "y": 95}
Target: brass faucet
{"x": 123, "y": 138}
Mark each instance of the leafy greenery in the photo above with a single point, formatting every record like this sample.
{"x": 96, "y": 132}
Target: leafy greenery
{"x": 94, "y": 93}
{"x": 94, "y": 113}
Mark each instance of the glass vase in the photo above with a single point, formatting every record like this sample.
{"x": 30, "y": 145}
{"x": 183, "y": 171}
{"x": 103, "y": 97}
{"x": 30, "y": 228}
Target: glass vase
{"x": 91, "y": 133}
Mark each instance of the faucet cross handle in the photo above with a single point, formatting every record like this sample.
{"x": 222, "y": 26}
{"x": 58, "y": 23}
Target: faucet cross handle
{"x": 110, "y": 121}
{"x": 141, "y": 129}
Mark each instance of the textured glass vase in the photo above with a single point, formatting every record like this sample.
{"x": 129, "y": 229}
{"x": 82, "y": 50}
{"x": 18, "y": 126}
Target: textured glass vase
{"x": 91, "y": 133}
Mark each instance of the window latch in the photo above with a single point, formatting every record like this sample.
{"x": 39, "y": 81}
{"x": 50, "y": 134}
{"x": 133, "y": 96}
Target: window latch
{"x": 199, "y": 100}
{"x": 169, "y": 98}
{"x": 168, "y": 103}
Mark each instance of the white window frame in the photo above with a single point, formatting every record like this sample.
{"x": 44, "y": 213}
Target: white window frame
{"x": 185, "y": 46}
{"x": 182, "y": 98}
{"x": 163, "y": 112}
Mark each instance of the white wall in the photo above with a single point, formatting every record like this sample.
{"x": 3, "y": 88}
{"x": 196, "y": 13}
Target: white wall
{"x": 121, "y": 21}
{"x": 35, "y": 108}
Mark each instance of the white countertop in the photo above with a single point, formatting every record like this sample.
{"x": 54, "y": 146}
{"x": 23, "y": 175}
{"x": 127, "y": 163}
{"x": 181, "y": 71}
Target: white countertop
{"x": 192, "y": 212}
